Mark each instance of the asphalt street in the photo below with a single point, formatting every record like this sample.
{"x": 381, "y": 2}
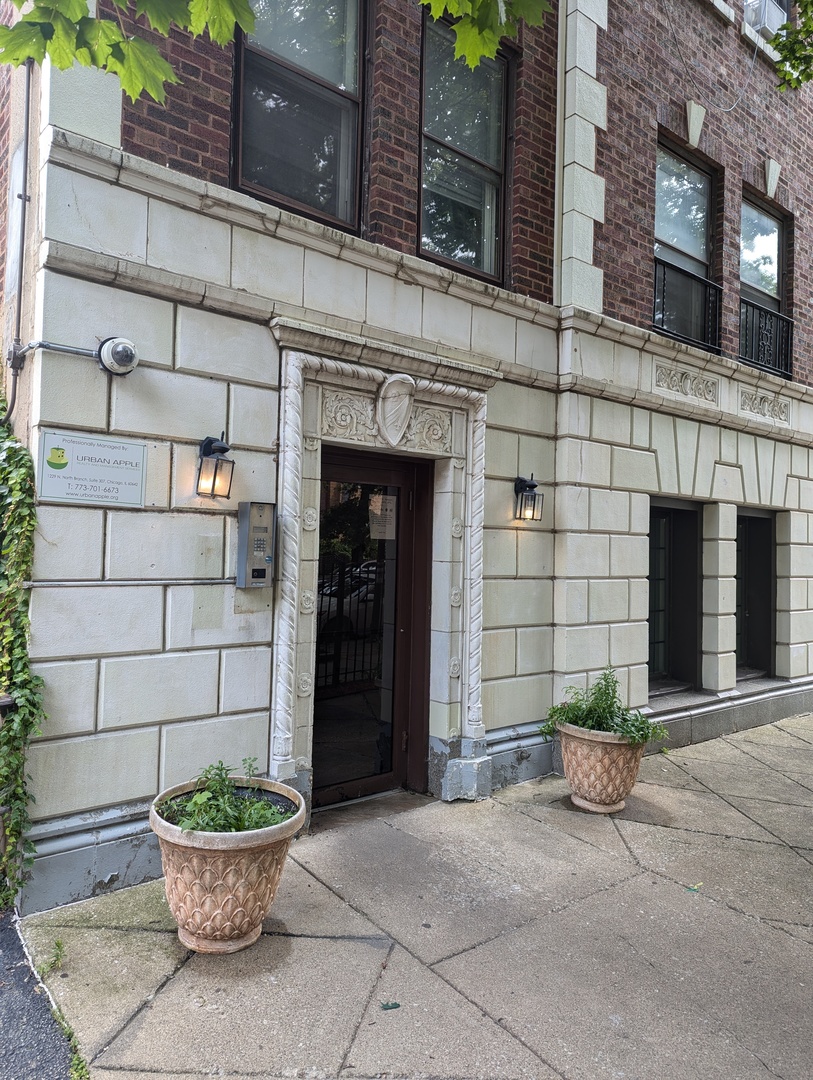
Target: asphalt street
{"x": 32, "y": 1046}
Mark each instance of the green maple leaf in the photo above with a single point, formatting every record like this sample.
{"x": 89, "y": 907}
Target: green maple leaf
{"x": 95, "y": 40}
{"x": 530, "y": 11}
{"x": 162, "y": 14}
{"x": 220, "y": 18}
{"x": 472, "y": 42}
{"x": 21, "y": 42}
{"x": 141, "y": 68}
{"x": 62, "y": 46}
{"x": 73, "y": 10}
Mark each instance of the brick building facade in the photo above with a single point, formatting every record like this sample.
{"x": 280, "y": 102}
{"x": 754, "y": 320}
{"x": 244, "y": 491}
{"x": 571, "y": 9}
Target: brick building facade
{"x": 396, "y": 287}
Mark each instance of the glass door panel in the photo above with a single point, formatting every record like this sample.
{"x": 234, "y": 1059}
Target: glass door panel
{"x": 356, "y": 607}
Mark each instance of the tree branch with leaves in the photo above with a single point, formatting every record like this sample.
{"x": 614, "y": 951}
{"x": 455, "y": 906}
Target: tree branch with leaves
{"x": 794, "y": 43}
{"x": 64, "y": 31}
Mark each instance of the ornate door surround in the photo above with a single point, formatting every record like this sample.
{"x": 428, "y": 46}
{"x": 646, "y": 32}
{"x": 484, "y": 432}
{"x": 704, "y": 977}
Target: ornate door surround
{"x": 347, "y": 404}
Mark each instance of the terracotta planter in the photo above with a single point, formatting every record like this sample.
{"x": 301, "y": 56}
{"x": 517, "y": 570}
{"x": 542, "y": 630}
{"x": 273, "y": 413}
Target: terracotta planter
{"x": 600, "y": 767}
{"x": 220, "y": 886}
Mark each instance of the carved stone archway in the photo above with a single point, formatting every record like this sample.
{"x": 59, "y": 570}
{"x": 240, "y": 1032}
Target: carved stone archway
{"x": 347, "y": 404}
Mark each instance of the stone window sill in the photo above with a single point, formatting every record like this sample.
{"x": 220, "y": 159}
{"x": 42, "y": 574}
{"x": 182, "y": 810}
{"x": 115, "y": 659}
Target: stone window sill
{"x": 760, "y": 42}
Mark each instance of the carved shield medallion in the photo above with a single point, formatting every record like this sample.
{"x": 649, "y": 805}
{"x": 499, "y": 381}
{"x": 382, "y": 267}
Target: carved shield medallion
{"x": 394, "y": 407}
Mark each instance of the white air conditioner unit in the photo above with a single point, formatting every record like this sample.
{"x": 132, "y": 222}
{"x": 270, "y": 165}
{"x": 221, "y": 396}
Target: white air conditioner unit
{"x": 765, "y": 16}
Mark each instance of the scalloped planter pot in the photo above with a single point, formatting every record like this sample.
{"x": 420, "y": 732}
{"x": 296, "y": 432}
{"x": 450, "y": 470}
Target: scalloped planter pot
{"x": 220, "y": 886}
{"x": 600, "y": 767}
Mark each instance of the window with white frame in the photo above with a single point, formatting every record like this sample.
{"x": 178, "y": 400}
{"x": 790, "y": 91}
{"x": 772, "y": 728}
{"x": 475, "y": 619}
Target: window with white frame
{"x": 463, "y": 156}
{"x": 300, "y": 107}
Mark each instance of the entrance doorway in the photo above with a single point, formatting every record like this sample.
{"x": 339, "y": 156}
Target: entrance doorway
{"x": 371, "y": 698}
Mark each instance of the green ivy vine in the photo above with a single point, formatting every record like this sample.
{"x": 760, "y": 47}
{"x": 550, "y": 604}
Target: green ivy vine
{"x": 17, "y": 522}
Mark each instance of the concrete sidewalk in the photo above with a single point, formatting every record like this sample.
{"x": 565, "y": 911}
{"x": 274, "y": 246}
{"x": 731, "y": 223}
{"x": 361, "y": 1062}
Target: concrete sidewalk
{"x": 515, "y": 937}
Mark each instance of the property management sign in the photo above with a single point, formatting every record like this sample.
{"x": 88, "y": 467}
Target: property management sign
{"x": 76, "y": 468}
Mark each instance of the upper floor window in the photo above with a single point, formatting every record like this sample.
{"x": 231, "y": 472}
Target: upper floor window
{"x": 760, "y": 243}
{"x": 463, "y": 156}
{"x": 765, "y": 333}
{"x": 687, "y": 303}
{"x": 300, "y": 107}
{"x": 766, "y": 16}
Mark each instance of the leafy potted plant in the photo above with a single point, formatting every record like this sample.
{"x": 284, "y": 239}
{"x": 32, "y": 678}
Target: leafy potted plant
{"x": 602, "y": 743}
{"x": 223, "y": 844}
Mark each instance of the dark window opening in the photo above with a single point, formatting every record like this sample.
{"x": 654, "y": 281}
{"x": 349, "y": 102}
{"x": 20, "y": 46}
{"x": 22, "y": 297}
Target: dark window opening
{"x": 756, "y": 597}
{"x": 674, "y": 600}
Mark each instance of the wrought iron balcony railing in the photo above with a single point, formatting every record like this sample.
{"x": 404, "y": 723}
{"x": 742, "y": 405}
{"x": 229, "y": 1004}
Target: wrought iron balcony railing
{"x": 766, "y": 338}
{"x": 686, "y": 306}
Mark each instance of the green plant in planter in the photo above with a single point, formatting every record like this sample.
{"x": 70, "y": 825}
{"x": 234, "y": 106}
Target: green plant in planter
{"x": 599, "y": 708}
{"x": 218, "y": 805}
{"x": 224, "y": 841}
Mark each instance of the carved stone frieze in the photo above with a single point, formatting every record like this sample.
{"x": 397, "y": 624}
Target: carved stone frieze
{"x": 389, "y": 418}
{"x": 310, "y": 518}
{"x": 691, "y": 384}
{"x": 457, "y": 528}
{"x": 430, "y": 429}
{"x": 346, "y": 415}
{"x": 454, "y": 668}
{"x": 456, "y": 597}
{"x": 767, "y": 406}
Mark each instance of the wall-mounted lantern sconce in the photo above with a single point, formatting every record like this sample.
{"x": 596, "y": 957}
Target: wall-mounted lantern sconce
{"x": 214, "y": 470}
{"x": 529, "y": 500}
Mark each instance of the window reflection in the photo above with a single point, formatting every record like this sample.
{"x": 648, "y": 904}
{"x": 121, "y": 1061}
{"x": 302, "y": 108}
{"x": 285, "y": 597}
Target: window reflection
{"x": 463, "y": 153}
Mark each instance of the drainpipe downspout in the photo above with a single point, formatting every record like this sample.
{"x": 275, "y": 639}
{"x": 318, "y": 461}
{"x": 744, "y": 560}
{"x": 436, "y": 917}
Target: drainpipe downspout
{"x": 16, "y": 354}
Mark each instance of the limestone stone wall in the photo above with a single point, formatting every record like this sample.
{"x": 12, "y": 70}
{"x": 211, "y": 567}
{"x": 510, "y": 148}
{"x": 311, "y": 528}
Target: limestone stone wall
{"x": 154, "y": 663}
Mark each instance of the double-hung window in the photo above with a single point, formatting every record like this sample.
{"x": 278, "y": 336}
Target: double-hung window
{"x": 300, "y": 107}
{"x": 687, "y": 302}
{"x": 463, "y": 156}
{"x": 765, "y": 333}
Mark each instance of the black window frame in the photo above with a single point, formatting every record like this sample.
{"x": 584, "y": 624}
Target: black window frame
{"x": 320, "y": 86}
{"x": 508, "y": 59}
{"x": 670, "y": 276}
{"x": 766, "y": 327}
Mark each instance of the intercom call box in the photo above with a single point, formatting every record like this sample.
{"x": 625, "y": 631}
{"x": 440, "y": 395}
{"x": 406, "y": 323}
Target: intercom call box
{"x": 256, "y": 524}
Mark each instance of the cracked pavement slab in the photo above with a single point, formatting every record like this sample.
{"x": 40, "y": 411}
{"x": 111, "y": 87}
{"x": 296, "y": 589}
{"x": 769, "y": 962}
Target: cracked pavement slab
{"x": 510, "y": 938}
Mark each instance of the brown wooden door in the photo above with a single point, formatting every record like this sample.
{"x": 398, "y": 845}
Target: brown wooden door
{"x": 371, "y": 700}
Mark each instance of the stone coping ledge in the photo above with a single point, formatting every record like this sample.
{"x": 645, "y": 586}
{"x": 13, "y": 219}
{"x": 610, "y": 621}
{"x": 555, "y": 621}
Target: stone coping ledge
{"x": 307, "y": 337}
{"x": 65, "y": 149}
{"x": 650, "y": 341}
{"x": 579, "y": 384}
